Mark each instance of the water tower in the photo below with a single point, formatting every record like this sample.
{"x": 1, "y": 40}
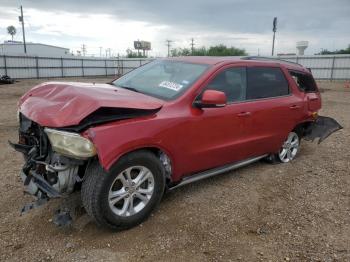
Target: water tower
{"x": 301, "y": 46}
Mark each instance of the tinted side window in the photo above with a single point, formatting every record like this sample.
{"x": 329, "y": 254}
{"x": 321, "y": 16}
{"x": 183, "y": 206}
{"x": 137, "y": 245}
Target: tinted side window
{"x": 305, "y": 82}
{"x": 264, "y": 82}
{"x": 232, "y": 82}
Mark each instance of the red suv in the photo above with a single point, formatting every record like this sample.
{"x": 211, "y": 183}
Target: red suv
{"x": 163, "y": 125}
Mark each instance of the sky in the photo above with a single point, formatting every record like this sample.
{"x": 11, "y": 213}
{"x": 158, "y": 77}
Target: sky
{"x": 115, "y": 24}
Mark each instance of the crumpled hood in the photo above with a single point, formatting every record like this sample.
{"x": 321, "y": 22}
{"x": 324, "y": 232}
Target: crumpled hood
{"x": 61, "y": 104}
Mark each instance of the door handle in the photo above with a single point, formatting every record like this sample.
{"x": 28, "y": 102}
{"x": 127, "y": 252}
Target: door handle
{"x": 313, "y": 98}
{"x": 294, "y": 107}
{"x": 244, "y": 114}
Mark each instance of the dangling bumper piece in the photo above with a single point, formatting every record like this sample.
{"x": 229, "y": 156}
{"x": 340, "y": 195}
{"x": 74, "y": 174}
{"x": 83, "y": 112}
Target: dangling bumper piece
{"x": 321, "y": 128}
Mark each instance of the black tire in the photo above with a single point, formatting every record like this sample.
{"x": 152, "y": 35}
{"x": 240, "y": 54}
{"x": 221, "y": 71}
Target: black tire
{"x": 97, "y": 182}
{"x": 272, "y": 159}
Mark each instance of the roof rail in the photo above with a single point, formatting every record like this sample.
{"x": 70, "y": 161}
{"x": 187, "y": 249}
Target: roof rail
{"x": 264, "y": 58}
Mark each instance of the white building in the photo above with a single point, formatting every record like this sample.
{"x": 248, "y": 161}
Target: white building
{"x": 33, "y": 49}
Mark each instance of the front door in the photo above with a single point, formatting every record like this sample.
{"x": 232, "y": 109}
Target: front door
{"x": 217, "y": 135}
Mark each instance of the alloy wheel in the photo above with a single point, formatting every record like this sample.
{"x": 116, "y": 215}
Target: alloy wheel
{"x": 131, "y": 190}
{"x": 289, "y": 148}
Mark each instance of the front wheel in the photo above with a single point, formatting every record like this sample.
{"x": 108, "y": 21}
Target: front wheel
{"x": 127, "y": 194}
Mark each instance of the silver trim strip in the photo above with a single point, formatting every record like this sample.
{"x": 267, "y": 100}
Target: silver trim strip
{"x": 216, "y": 171}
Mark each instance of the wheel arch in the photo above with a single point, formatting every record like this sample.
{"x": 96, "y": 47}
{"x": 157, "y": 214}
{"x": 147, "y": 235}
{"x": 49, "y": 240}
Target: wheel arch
{"x": 300, "y": 128}
{"x": 162, "y": 154}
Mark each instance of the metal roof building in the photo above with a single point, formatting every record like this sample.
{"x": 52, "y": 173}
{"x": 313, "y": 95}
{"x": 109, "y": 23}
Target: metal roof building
{"x": 10, "y": 48}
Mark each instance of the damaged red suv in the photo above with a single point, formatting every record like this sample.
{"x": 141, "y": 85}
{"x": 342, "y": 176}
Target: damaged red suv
{"x": 163, "y": 125}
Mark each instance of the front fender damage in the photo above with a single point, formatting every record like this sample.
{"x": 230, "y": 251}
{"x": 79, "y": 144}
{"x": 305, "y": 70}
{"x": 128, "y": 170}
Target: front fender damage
{"x": 321, "y": 128}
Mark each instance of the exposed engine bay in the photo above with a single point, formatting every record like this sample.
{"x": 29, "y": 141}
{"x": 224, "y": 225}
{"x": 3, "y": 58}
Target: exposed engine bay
{"x": 45, "y": 173}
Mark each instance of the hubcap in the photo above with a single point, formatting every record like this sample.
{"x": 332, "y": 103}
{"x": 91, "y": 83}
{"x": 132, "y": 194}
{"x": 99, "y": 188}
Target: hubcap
{"x": 131, "y": 190}
{"x": 290, "y": 148}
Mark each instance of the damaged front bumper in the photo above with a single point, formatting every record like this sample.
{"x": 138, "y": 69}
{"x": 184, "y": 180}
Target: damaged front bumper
{"x": 321, "y": 128}
{"x": 35, "y": 184}
{"x": 45, "y": 173}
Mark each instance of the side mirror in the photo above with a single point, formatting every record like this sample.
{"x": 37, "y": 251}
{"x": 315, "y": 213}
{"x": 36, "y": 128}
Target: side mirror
{"x": 212, "y": 99}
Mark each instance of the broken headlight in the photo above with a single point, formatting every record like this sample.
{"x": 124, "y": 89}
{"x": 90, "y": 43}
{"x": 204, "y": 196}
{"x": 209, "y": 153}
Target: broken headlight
{"x": 70, "y": 144}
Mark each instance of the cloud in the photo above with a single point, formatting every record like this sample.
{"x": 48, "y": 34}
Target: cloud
{"x": 243, "y": 23}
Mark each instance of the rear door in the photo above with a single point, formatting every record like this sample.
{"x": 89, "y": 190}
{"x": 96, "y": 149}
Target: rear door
{"x": 273, "y": 108}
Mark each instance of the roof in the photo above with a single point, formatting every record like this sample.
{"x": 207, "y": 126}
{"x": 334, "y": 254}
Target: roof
{"x": 214, "y": 60}
{"x": 27, "y": 44}
{"x": 210, "y": 60}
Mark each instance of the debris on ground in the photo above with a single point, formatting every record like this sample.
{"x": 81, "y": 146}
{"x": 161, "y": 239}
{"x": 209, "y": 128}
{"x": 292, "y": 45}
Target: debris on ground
{"x": 4, "y": 79}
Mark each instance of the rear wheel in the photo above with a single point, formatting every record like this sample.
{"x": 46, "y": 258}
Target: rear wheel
{"x": 288, "y": 151}
{"x": 126, "y": 195}
{"x": 289, "y": 148}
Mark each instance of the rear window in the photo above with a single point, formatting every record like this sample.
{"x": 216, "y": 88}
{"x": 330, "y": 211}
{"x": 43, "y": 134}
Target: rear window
{"x": 306, "y": 83}
{"x": 265, "y": 82}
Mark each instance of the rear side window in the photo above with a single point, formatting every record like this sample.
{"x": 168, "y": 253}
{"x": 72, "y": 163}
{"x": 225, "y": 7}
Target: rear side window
{"x": 265, "y": 82}
{"x": 305, "y": 82}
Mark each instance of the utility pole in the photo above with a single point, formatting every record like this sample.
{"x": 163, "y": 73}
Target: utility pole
{"x": 100, "y": 51}
{"x": 168, "y": 45}
{"x": 21, "y": 19}
{"x": 83, "y": 49}
{"x": 192, "y": 46}
{"x": 108, "y": 52}
{"x": 274, "y": 29}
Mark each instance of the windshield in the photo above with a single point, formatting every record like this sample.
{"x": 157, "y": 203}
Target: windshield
{"x": 162, "y": 78}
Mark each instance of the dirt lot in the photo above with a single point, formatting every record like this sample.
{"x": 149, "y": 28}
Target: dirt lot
{"x": 291, "y": 212}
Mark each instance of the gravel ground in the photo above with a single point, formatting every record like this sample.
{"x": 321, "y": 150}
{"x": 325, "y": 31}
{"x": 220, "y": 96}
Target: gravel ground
{"x": 292, "y": 212}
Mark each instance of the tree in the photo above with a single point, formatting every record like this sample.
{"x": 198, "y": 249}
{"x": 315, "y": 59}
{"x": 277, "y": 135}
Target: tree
{"x": 218, "y": 50}
{"x": 11, "y": 30}
{"x": 336, "y": 52}
{"x": 221, "y": 50}
{"x": 131, "y": 54}
{"x": 180, "y": 52}
{"x": 201, "y": 51}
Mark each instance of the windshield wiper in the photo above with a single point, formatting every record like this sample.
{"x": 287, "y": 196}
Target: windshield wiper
{"x": 130, "y": 88}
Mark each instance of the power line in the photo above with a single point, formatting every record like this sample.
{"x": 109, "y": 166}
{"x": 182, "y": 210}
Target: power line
{"x": 108, "y": 52}
{"x": 168, "y": 45}
{"x": 192, "y": 46}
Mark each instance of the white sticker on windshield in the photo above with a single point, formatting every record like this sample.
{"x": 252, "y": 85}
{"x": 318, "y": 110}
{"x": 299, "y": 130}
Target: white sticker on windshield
{"x": 171, "y": 85}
